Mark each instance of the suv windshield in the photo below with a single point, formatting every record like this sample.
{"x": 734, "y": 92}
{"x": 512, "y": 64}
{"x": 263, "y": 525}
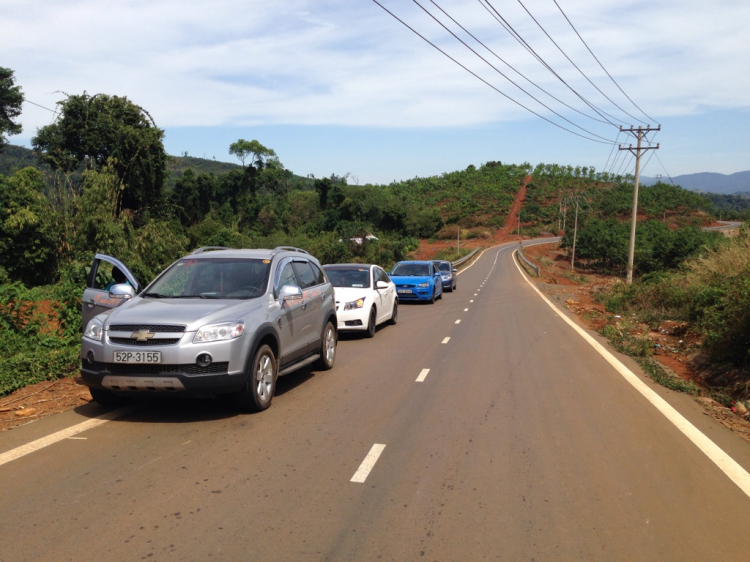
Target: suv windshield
{"x": 411, "y": 269}
{"x": 220, "y": 278}
{"x": 358, "y": 277}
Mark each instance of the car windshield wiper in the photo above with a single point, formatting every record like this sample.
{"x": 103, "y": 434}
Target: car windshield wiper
{"x": 156, "y": 296}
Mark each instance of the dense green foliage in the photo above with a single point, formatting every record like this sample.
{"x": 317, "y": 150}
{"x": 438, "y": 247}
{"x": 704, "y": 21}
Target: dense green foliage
{"x": 40, "y": 331}
{"x": 711, "y": 292}
{"x": 731, "y": 207}
{"x": 112, "y": 131}
{"x": 11, "y": 99}
{"x": 604, "y": 243}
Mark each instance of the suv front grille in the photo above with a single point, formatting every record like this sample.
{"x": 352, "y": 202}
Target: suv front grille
{"x": 148, "y": 327}
{"x": 154, "y": 370}
{"x": 131, "y": 341}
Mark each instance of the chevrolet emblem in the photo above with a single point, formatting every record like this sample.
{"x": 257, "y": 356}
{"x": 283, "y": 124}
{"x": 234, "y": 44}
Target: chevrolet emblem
{"x": 142, "y": 335}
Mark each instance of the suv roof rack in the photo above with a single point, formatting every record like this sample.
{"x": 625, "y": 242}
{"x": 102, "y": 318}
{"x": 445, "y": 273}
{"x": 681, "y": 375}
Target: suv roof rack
{"x": 208, "y": 249}
{"x": 278, "y": 249}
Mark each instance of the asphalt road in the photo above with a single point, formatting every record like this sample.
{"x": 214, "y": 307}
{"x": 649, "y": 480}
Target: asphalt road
{"x": 521, "y": 442}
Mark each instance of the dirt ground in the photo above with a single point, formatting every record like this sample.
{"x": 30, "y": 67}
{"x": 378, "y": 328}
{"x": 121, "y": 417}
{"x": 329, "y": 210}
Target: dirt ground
{"x": 39, "y": 400}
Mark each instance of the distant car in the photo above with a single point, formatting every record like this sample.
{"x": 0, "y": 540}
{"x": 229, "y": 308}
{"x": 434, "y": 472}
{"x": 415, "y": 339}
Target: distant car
{"x": 365, "y": 297}
{"x": 213, "y": 323}
{"x": 417, "y": 280}
{"x": 448, "y": 274}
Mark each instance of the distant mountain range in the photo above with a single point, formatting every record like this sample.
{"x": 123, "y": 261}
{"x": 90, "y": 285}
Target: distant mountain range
{"x": 709, "y": 182}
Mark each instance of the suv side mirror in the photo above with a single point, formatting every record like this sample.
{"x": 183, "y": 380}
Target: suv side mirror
{"x": 455, "y": 270}
{"x": 290, "y": 293}
{"x": 121, "y": 291}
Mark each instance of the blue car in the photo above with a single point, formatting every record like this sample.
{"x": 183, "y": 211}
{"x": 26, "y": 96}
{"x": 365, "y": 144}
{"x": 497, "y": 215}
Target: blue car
{"x": 417, "y": 280}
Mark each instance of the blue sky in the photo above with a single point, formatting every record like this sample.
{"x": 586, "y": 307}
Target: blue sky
{"x": 342, "y": 87}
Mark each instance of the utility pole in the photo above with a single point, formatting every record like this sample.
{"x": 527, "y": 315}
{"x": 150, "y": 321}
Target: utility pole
{"x": 458, "y": 240}
{"x": 639, "y": 134}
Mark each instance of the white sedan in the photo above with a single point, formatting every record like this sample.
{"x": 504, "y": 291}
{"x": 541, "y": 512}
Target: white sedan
{"x": 365, "y": 296}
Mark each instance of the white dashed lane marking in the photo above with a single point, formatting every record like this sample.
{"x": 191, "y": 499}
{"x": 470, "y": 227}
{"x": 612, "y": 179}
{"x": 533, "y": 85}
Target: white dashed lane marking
{"x": 446, "y": 340}
{"x": 458, "y": 321}
{"x": 423, "y": 375}
{"x": 367, "y": 465}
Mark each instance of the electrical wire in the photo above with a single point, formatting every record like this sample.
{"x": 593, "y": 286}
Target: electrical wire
{"x": 574, "y": 64}
{"x": 509, "y": 28}
{"x": 482, "y": 79}
{"x": 498, "y": 57}
{"x": 504, "y": 76}
{"x": 612, "y": 150}
{"x": 36, "y": 104}
{"x": 600, "y": 64}
{"x": 665, "y": 170}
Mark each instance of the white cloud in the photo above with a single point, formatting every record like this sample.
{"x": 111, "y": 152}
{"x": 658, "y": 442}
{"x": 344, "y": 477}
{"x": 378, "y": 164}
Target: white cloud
{"x": 329, "y": 62}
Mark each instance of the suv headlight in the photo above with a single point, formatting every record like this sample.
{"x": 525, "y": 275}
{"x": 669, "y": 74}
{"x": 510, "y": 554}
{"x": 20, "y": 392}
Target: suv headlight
{"x": 95, "y": 330}
{"x": 359, "y": 303}
{"x": 423, "y": 285}
{"x": 219, "y": 332}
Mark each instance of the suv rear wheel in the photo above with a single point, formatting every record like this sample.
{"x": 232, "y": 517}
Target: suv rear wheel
{"x": 258, "y": 392}
{"x": 327, "y": 348}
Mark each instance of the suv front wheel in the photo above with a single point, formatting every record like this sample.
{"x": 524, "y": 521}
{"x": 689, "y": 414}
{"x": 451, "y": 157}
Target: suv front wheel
{"x": 258, "y": 392}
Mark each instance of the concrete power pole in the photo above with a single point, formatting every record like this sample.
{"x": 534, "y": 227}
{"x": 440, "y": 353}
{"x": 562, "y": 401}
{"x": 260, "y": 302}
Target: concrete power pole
{"x": 638, "y": 134}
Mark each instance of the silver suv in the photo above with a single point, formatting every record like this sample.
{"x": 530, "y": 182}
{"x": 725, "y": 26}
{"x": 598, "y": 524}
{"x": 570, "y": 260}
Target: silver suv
{"x": 215, "y": 322}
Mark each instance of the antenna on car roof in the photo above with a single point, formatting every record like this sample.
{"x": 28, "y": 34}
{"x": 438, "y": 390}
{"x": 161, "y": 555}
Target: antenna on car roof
{"x": 208, "y": 249}
{"x": 278, "y": 249}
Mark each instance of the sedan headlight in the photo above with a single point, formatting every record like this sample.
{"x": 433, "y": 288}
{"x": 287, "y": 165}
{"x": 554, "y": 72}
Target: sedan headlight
{"x": 423, "y": 285}
{"x": 95, "y": 330}
{"x": 359, "y": 303}
{"x": 219, "y": 332}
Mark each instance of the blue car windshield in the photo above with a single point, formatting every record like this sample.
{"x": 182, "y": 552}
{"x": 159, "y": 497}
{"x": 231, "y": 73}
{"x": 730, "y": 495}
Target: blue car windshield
{"x": 412, "y": 269}
{"x": 358, "y": 277}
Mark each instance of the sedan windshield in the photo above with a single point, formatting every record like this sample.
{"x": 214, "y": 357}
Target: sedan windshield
{"x": 358, "y": 277}
{"x": 220, "y": 278}
{"x": 445, "y": 266}
{"x": 411, "y": 269}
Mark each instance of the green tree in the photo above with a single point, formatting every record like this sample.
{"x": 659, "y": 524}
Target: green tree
{"x": 28, "y": 233}
{"x": 193, "y": 195}
{"x": 253, "y": 152}
{"x": 11, "y": 99}
{"x": 101, "y": 130}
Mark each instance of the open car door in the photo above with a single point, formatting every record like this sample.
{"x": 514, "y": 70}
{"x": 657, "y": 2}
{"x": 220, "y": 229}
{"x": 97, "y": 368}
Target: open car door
{"x": 102, "y": 275}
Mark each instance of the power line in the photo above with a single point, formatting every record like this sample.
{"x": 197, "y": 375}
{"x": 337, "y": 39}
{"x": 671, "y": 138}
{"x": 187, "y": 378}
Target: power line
{"x": 665, "y": 170}
{"x": 482, "y": 79}
{"x": 503, "y": 75}
{"x": 509, "y": 28}
{"x": 574, "y": 64}
{"x": 611, "y": 151}
{"x": 600, "y": 64}
{"x": 36, "y": 104}
{"x": 513, "y": 69}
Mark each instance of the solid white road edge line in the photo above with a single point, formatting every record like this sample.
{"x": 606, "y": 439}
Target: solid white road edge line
{"x": 727, "y": 464}
{"x": 24, "y": 450}
{"x": 364, "y": 469}
{"x": 423, "y": 375}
